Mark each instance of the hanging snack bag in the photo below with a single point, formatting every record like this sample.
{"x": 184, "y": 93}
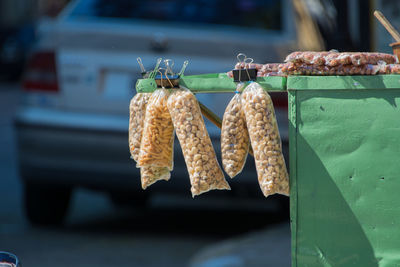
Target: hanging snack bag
{"x": 149, "y": 175}
{"x": 204, "y": 171}
{"x": 235, "y": 140}
{"x": 265, "y": 140}
{"x": 157, "y": 143}
{"x": 137, "y": 110}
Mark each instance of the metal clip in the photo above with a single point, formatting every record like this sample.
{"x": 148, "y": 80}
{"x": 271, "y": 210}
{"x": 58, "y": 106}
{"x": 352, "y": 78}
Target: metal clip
{"x": 251, "y": 72}
{"x": 247, "y": 63}
{"x": 183, "y": 68}
{"x": 142, "y": 69}
{"x": 169, "y": 63}
{"x": 154, "y": 72}
{"x": 173, "y": 80}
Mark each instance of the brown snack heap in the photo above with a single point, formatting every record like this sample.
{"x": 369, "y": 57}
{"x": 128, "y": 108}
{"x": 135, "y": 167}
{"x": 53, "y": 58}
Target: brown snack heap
{"x": 204, "y": 171}
{"x": 157, "y": 144}
{"x": 137, "y": 110}
{"x": 334, "y": 58}
{"x": 235, "y": 140}
{"x": 327, "y": 63}
{"x": 389, "y": 69}
{"x": 291, "y": 68}
{"x": 265, "y": 140}
{"x": 321, "y": 70}
{"x": 271, "y": 69}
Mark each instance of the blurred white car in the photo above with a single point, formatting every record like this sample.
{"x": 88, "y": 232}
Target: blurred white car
{"x": 72, "y": 126}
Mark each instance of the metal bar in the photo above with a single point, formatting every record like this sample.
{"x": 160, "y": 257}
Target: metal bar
{"x": 214, "y": 83}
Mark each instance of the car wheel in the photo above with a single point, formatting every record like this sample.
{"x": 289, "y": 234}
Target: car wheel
{"x": 131, "y": 199}
{"x": 46, "y": 204}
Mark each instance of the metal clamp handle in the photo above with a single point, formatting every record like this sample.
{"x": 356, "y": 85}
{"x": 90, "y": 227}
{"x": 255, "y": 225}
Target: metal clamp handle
{"x": 169, "y": 63}
{"x": 139, "y": 60}
{"x": 154, "y": 72}
{"x": 183, "y": 67}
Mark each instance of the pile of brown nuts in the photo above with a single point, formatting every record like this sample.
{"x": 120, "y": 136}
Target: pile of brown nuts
{"x": 334, "y": 58}
{"x": 327, "y": 63}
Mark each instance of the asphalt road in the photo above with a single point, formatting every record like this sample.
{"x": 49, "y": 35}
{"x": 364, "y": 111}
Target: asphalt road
{"x": 169, "y": 233}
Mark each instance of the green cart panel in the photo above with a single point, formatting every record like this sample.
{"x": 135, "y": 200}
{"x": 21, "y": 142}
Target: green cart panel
{"x": 345, "y": 170}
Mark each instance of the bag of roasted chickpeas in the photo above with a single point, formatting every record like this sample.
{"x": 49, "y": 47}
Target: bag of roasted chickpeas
{"x": 137, "y": 112}
{"x": 201, "y": 162}
{"x": 265, "y": 140}
{"x": 235, "y": 140}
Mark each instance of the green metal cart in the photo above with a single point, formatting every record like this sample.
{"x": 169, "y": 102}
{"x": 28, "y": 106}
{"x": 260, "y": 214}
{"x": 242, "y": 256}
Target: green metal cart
{"x": 344, "y": 164}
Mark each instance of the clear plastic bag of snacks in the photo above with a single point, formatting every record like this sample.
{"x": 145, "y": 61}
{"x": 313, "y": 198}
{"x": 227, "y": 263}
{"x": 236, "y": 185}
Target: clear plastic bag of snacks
{"x": 156, "y": 148}
{"x": 204, "y": 171}
{"x": 265, "y": 140}
{"x": 137, "y": 112}
{"x": 361, "y": 58}
{"x": 235, "y": 140}
{"x": 394, "y": 68}
{"x": 308, "y": 57}
{"x": 334, "y": 58}
{"x": 149, "y": 175}
{"x": 271, "y": 69}
{"x": 389, "y": 69}
{"x": 321, "y": 70}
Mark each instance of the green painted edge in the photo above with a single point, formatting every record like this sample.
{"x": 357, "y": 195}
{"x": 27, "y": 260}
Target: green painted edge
{"x": 220, "y": 83}
{"x": 391, "y": 81}
{"x": 292, "y": 112}
{"x": 213, "y": 83}
{"x": 145, "y": 85}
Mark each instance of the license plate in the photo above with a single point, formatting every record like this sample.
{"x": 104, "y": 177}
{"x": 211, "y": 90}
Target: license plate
{"x": 117, "y": 85}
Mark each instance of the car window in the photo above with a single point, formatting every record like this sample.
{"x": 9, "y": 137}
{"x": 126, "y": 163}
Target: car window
{"x": 262, "y": 14}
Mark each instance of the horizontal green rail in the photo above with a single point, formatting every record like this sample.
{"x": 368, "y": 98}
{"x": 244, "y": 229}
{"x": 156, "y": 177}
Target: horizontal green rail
{"x": 213, "y": 83}
{"x": 221, "y": 83}
{"x": 386, "y": 81}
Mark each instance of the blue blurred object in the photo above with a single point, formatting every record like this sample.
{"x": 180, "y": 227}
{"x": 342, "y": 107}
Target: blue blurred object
{"x": 244, "y": 13}
{"x": 8, "y": 260}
